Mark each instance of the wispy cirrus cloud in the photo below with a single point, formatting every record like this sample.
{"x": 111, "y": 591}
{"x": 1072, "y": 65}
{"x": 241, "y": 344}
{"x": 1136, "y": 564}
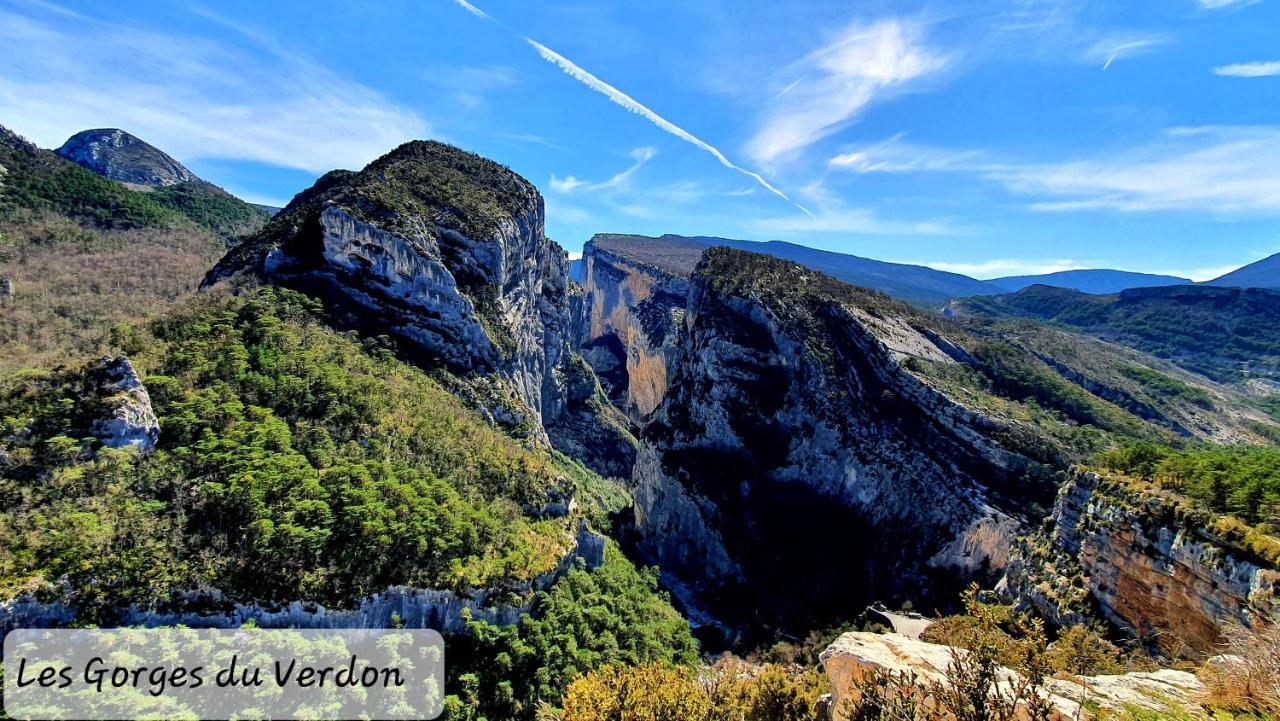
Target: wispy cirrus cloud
{"x": 1216, "y": 169}
{"x": 569, "y": 184}
{"x": 833, "y": 85}
{"x": 1219, "y": 4}
{"x": 241, "y": 97}
{"x": 896, "y": 156}
{"x": 833, "y": 215}
{"x": 1221, "y": 169}
{"x": 1123, "y": 47}
{"x": 468, "y": 85}
{"x": 1249, "y": 70}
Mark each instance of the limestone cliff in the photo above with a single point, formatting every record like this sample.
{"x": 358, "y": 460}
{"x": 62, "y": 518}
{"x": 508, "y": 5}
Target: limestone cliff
{"x": 794, "y": 449}
{"x": 126, "y": 419}
{"x": 634, "y": 315}
{"x": 446, "y": 252}
{"x": 1150, "y": 566}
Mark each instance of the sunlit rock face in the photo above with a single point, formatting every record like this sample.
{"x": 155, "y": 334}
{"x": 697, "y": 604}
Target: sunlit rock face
{"x": 1151, "y": 569}
{"x": 852, "y": 657}
{"x": 634, "y": 316}
{"x": 445, "y": 251}
{"x": 127, "y": 420}
{"x": 792, "y": 448}
{"x": 115, "y": 154}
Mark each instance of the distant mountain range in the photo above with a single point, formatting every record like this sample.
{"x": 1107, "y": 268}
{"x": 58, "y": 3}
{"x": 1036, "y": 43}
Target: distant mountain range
{"x": 1264, "y": 273}
{"x": 1089, "y": 281}
{"x": 909, "y": 282}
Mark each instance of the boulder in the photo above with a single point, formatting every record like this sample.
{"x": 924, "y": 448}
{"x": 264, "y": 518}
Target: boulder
{"x": 127, "y": 419}
{"x": 854, "y": 655}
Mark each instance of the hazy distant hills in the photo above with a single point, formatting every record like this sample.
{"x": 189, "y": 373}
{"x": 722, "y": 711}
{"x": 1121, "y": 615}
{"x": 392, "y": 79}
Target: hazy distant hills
{"x": 1089, "y": 281}
{"x": 1228, "y": 334}
{"x": 1264, "y": 273}
{"x": 909, "y": 282}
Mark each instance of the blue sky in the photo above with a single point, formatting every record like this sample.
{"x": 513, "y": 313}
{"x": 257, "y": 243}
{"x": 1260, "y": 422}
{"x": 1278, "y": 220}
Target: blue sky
{"x": 989, "y": 138}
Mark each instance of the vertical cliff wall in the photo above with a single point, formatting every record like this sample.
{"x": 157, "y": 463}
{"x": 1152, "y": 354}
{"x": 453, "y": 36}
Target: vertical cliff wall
{"x": 634, "y": 317}
{"x": 1149, "y": 566}
{"x": 795, "y": 466}
{"x": 445, "y": 251}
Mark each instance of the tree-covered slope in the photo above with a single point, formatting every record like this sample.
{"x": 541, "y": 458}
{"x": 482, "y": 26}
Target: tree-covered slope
{"x": 1228, "y": 334}
{"x": 79, "y": 252}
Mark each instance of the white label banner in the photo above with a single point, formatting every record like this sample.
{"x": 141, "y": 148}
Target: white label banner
{"x": 179, "y": 673}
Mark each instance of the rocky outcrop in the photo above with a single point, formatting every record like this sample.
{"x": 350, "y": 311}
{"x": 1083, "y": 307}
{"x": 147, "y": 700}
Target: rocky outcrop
{"x": 115, "y": 154}
{"x": 126, "y": 418}
{"x": 853, "y": 656}
{"x": 443, "y": 610}
{"x": 1149, "y": 566}
{"x": 634, "y": 316}
{"x": 794, "y": 449}
{"x": 445, "y": 251}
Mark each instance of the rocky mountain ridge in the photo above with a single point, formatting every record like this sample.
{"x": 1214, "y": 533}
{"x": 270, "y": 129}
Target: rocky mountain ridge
{"x": 115, "y": 154}
{"x": 752, "y": 399}
{"x": 444, "y": 251}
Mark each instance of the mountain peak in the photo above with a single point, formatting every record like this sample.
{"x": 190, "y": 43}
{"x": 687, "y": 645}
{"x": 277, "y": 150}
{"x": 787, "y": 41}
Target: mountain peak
{"x": 116, "y": 154}
{"x": 1263, "y": 273}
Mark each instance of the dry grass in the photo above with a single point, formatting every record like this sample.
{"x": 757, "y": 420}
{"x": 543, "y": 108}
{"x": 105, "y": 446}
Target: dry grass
{"x": 1246, "y": 678}
{"x": 71, "y": 283}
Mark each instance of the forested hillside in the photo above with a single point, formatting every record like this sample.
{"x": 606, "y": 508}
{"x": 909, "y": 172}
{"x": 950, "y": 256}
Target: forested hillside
{"x": 80, "y": 252}
{"x": 1227, "y": 334}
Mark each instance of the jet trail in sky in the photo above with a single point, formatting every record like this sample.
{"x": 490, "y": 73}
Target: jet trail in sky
{"x": 629, "y": 103}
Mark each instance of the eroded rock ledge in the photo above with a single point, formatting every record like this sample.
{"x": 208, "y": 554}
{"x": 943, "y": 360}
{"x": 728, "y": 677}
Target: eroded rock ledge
{"x": 1166, "y": 578}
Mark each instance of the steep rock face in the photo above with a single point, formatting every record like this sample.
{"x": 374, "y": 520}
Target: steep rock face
{"x": 115, "y": 154}
{"x": 127, "y": 420}
{"x": 446, "y": 252}
{"x": 634, "y": 316}
{"x": 1167, "y": 579}
{"x": 793, "y": 449}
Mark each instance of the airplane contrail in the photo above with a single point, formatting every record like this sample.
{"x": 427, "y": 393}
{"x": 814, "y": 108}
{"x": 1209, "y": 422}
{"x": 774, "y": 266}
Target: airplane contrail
{"x": 631, "y": 104}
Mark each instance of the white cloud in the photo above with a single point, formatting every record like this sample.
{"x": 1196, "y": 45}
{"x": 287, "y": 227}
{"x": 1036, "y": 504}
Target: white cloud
{"x": 469, "y": 84}
{"x": 1219, "y": 4}
{"x": 1217, "y": 169}
{"x": 834, "y": 215}
{"x": 835, "y": 83}
{"x": 858, "y": 221}
{"x": 1249, "y": 70}
{"x": 1122, "y": 47}
{"x": 895, "y": 156}
{"x": 244, "y": 97}
{"x": 569, "y": 184}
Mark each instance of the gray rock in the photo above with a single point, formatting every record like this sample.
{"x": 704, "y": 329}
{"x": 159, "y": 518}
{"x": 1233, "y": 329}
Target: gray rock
{"x": 128, "y": 420}
{"x": 115, "y": 154}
